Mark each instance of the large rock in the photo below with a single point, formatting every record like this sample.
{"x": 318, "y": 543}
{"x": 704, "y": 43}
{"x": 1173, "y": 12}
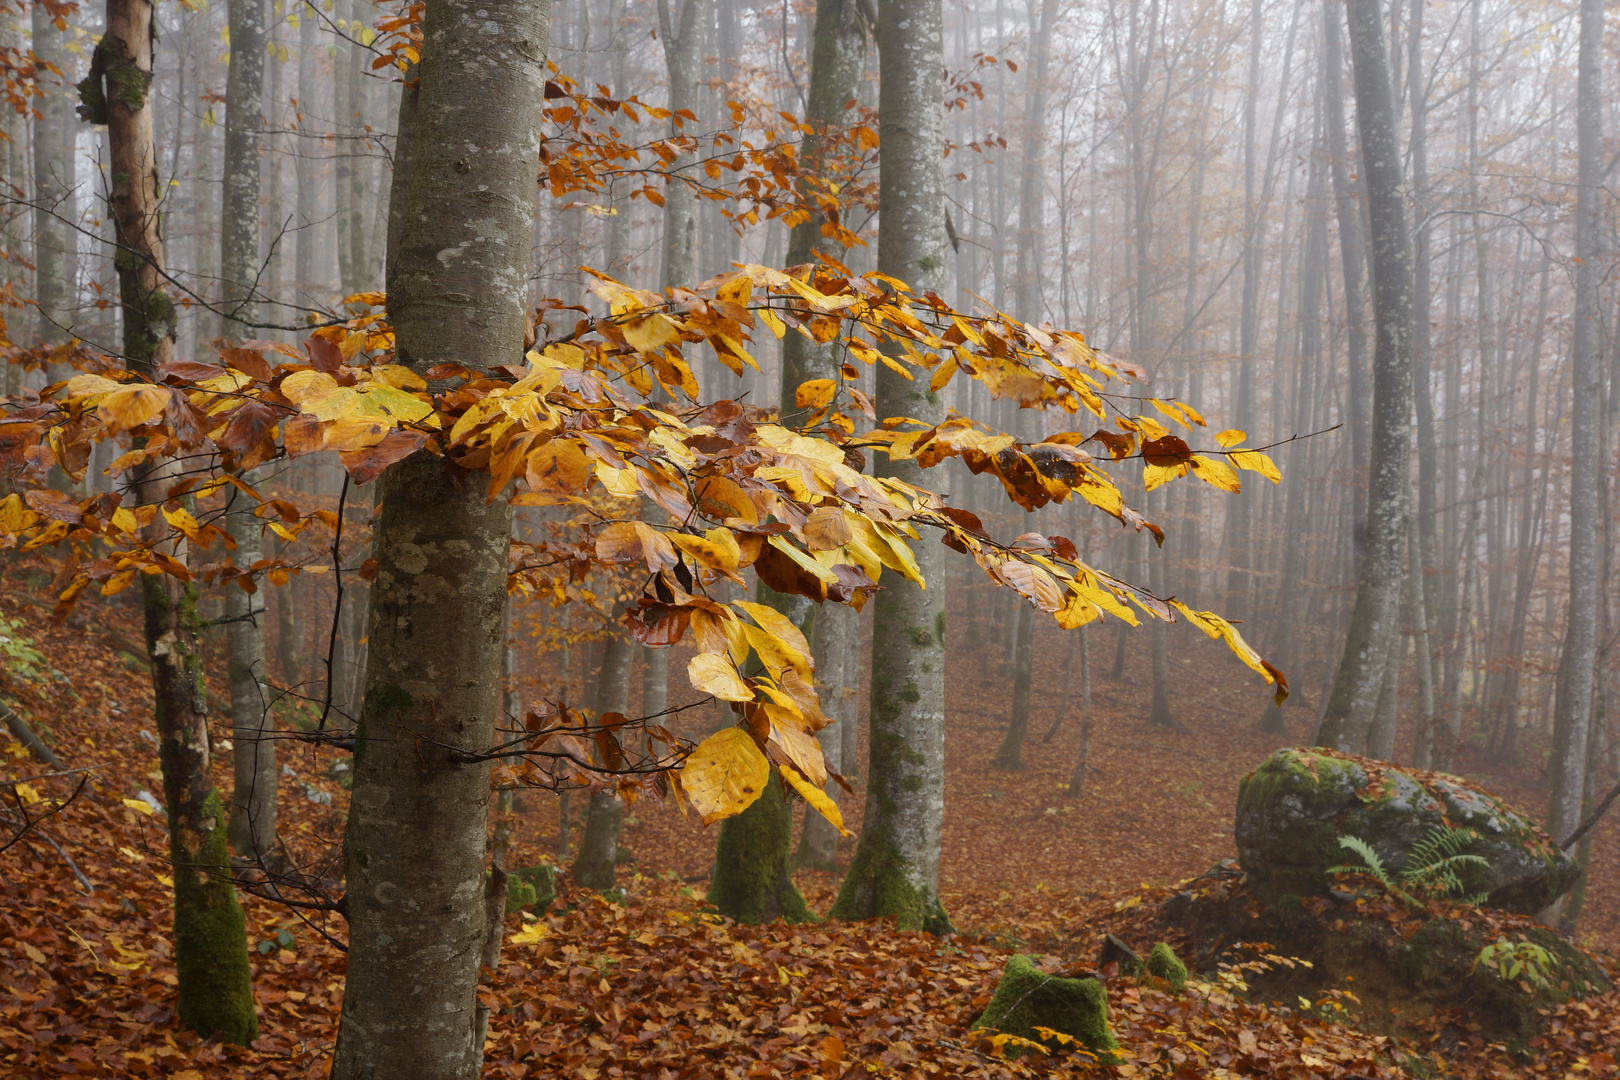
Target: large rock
{"x": 1028, "y": 998}
{"x": 1293, "y": 809}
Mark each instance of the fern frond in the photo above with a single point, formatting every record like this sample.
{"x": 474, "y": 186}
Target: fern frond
{"x": 1375, "y": 865}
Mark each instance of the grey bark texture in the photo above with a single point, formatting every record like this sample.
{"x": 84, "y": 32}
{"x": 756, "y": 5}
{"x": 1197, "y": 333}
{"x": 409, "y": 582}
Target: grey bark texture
{"x": 253, "y": 798}
{"x": 683, "y": 52}
{"x": 895, "y": 868}
{"x": 51, "y": 234}
{"x": 244, "y": 125}
{"x": 1572, "y": 720}
{"x": 1347, "y": 722}
{"x": 419, "y": 813}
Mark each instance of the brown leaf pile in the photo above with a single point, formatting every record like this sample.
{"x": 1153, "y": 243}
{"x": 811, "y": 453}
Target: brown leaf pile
{"x": 660, "y": 987}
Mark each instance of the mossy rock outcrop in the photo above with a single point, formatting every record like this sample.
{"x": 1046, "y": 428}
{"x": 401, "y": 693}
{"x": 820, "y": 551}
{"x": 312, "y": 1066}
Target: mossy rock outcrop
{"x": 1028, "y": 998}
{"x": 1293, "y": 809}
{"x": 1411, "y": 972}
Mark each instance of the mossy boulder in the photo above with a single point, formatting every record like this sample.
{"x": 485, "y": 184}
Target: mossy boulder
{"x": 1293, "y": 809}
{"x": 1027, "y": 998}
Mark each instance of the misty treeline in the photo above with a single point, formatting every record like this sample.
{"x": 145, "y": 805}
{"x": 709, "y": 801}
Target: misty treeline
{"x": 1375, "y": 239}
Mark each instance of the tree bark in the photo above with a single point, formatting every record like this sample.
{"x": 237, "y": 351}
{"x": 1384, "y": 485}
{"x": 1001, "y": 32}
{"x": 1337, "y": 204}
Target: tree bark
{"x": 253, "y": 799}
{"x": 1353, "y": 263}
{"x": 1572, "y": 718}
{"x": 210, "y": 936}
{"x": 1348, "y": 719}
{"x": 597, "y": 859}
{"x": 419, "y": 813}
{"x": 682, "y": 53}
{"x": 895, "y": 869}
{"x": 52, "y": 235}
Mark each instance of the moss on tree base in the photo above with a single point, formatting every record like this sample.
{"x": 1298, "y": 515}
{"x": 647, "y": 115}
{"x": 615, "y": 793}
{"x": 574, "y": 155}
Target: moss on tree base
{"x": 752, "y": 881}
{"x": 1028, "y": 998}
{"x": 877, "y": 886}
{"x": 210, "y": 940}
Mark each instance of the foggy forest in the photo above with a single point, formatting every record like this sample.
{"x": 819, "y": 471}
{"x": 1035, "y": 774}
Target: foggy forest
{"x": 814, "y": 538}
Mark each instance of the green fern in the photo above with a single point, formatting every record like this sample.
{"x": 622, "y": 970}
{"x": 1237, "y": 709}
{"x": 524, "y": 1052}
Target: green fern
{"x": 1430, "y": 869}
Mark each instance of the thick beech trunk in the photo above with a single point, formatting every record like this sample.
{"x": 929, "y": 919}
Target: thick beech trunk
{"x": 1572, "y": 720}
{"x": 1348, "y": 720}
{"x": 210, "y": 937}
{"x": 895, "y": 869}
{"x": 419, "y": 813}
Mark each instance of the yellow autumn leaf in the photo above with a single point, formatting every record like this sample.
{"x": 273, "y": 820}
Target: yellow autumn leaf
{"x": 777, "y": 624}
{"x": 124, "y": 520}
{"x": 650, "y": 333}
{"x": 818, "y": 799}
{"x": 714, "y": 674}
{"x": 814, "y": 393}
{"x": 26, "y": 793}
{"x": 131, "y": 406}
{"x": 533, "y": 934}
{"x": 140, "y": 806}
{"x": 1255, "y": 461}
{"x": 725, "y": 774}
{"x": 1230, "y": 437}
{"x": 1215, "y": 472}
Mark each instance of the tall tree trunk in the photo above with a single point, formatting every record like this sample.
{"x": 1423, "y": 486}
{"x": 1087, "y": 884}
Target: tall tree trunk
{"x": 895, "y": 869}
{"x": 683, "y": 43}
{"x": 210, "y": 936}
{"x": 1353, "y": 261}
{"x": 1010, "y": 754}
{"x": 253, "y": 799}
{"x": 751, "y": 880}
{"x": 418, "y": 819}
{"x": 836, "y": 681}
{"x": 52, "y": 235}
{"x": 1572, "y": 718}
{"x": 1376, "y": 615}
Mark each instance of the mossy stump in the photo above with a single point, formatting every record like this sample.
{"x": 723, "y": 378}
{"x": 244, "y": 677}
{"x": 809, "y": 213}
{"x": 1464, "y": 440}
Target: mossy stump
{"x": 541, "y": 883}
{"x": 1027, "y": 998}
{"x": 1163, "y": 963}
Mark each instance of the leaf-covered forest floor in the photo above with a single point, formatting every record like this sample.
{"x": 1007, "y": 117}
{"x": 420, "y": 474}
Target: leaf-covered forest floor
{"x": 660, "y": 987}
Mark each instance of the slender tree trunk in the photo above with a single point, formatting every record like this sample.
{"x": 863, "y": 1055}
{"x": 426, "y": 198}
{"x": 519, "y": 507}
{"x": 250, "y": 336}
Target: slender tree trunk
{"x": 596, "y": 862}
{"x": 1353, "y": 260}
{"x": 51, "y": 234}
{"x": 1375, "y": 618}
{"x": 895, "y": 869}
{"x": 1572, "y": 719}
{"x": 1010, "y": 755}
{"x": 210, "y": 936}
{"x": 837, "y": 60}
{"x": 253, "y": 800}
{"x": 419, "y": 813}
{"x": 683, "y": 43}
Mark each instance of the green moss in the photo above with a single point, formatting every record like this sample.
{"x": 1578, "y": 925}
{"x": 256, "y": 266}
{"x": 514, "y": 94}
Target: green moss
{"x": 210, "y": 939}
{"x": 92, "y": 99}
{"x": 878, "y": 885}
{"x": 128, "y": 84}
{"x": 1164, "y": 963}
{"x": 519, "y": 895}
{"x": 752, "y": 881}
{"x": 1027, "y": 998}
{"x": 920, "y": 636}
{"x": 939, "y": 628}
{"x": 542, "y": 880}
{"x": 910, "y": 692}
{"x": 911, "y": 784}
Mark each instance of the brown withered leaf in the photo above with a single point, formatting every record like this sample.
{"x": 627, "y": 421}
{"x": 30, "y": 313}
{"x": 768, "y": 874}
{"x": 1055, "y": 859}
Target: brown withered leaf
{"x": 826, "y": 529}
{"x": 54, "y": 504}
{"x": 366, "y": 464}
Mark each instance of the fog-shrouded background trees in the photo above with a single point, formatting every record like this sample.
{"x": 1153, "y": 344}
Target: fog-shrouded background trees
{"x": 1378, "y": 238}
